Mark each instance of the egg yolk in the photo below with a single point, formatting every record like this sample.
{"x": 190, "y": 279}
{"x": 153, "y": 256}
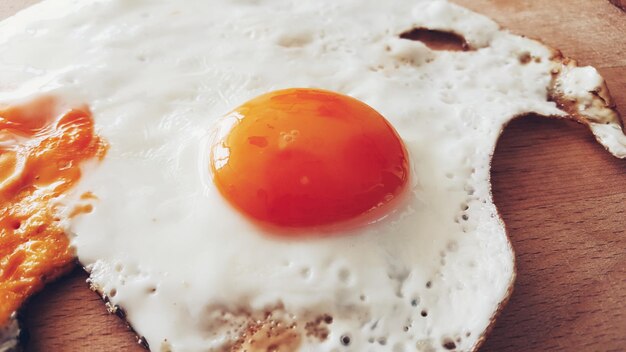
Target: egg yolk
{"x": 308, "y": 157}
{"x": 41, "y": 150}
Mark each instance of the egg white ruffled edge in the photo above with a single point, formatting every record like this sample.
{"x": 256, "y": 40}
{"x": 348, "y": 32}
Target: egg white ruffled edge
{"x": 593, "y": 107}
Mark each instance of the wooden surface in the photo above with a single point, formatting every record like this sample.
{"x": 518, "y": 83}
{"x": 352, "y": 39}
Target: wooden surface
{"x": 561, "y": 195}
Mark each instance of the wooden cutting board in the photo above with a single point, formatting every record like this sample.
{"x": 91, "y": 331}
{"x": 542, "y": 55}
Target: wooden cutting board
{"x": 561, "y": 195}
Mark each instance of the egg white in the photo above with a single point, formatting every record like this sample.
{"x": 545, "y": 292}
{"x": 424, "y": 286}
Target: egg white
{"x": 162, "y": 243}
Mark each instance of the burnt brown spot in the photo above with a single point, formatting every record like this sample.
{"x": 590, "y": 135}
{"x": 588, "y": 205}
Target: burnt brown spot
{"x": 437, "y": 39}
{"x": 449, "y": 344}
{"x": 317, "y": 328}
{"x": 525, "y": 58}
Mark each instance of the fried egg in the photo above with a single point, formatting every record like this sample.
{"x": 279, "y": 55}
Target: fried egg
{"x": 290, "y": 175}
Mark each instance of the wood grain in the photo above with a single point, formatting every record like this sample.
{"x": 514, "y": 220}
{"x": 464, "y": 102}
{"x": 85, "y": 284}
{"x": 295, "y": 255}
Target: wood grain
{"x": 561, "y": 195}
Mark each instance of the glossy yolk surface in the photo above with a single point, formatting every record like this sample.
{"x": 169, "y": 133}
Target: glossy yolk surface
{"x": 41, "y": 149}
{"x": 308, "y": 157}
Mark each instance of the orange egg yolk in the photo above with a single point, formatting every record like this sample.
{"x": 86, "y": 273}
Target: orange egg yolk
{"x": 41, "y": 150}
{"x": 307, "y": 157}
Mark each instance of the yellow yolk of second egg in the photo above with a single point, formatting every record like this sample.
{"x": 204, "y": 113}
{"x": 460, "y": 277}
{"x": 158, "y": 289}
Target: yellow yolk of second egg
{"x": 308, "y": 157}
{"x": 41, "y": 151}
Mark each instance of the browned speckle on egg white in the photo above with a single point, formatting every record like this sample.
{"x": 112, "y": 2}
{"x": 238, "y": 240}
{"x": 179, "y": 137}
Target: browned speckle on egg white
{"x": 597, "y": 107}
{"x": 437, "y": 39}
{"x": 318, "y": 328}
{"x": 268, "y": 335}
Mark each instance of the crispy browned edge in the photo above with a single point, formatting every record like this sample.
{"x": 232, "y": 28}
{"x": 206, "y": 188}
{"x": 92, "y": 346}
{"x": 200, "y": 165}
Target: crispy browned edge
{"x": 117, "y": 310}
{"x": 604, "y": 95}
